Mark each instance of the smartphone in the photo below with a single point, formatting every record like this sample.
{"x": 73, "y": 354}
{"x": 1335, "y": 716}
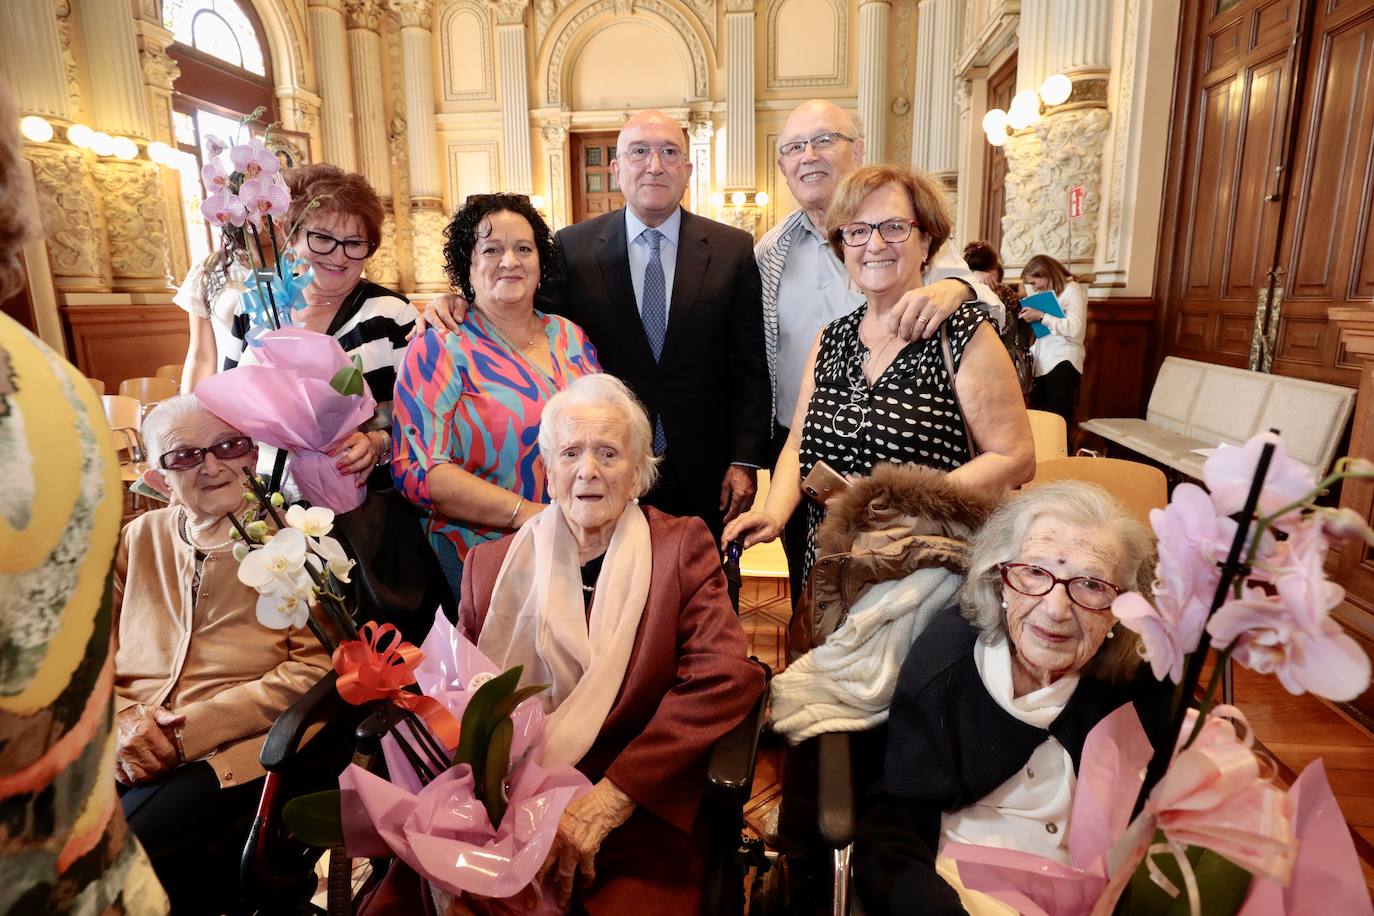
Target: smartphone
{"x": 824, "y": 482}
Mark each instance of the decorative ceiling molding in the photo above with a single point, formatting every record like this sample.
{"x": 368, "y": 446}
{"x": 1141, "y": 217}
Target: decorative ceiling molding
{"x": 450, "y": 12}
{"x": 840, "y": 49}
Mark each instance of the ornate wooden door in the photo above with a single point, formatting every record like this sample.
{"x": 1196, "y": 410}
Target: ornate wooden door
{"x": 1001, "y": 88}
{"x": 594, "y": 189}
{"x": 1273, "y": 192}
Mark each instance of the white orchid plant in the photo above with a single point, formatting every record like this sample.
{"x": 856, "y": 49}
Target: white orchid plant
{"x": 295, "y": 567}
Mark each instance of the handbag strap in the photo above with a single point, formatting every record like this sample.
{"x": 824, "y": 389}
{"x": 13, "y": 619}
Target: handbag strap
{"x": 954, "y": 390}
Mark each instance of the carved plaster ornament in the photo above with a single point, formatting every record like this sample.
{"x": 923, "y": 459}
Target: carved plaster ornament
{"x": 158, "y": 68}
{"x": 363, "y": 14}
{"x": 132, "y": 196}
{"x": 414, "y": 14}
{"x": 509, "y": 12}
{"x": 69, "y": 221}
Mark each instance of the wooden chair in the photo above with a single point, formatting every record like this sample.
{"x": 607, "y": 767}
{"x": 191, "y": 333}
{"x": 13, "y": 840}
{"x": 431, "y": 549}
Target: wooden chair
{"x": 1140, "y": 487}
{"x": 125, "y": 418}
{"x": 98, "y": 386}
{"x": 1050, "y": 433}
{"x": 148, "y": 390}
{"x": 170, "y": 371}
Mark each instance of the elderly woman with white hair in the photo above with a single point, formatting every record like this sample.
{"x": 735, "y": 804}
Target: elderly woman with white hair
{"x": 997, "y": 695}
{"x": 198, "y": 680}
{"x": 624, "y": 611}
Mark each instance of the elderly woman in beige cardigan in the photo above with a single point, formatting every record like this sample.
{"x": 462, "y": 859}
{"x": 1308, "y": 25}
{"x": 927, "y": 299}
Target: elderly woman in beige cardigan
{"x": 198, "y": 680}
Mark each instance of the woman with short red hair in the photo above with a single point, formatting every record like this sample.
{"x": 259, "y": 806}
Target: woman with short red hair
{"x": 335, "y": 221}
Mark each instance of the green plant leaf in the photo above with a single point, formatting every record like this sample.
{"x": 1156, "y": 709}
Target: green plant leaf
{"x": 348, "y": 380}
{"x": 1222, "y": 886}
{"x": 494, "y": 778}
{"x": 507, "y": 706}
{"x": 478, "y": 723}
{"x": 315, "y": 819}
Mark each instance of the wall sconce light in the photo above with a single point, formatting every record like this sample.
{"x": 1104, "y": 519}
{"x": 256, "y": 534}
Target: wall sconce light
{"x": 737, "y": 199}
{"x": 102, "y": 143}
{"x": 80, "y": 136}
{"x": 537, "y": 202}
{"x": 761, "y": 199}
{"x": 35, "y": 129}
{"x": 162, "y": 154}
{"x": 124, "y": 148}
{"x": 717, "y": 199}
{"x": 1025, "y": 108}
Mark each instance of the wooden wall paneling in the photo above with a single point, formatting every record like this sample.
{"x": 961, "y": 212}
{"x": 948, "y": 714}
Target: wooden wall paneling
{"x": 115, "y": 342}
{"x": 1117, "y": 371}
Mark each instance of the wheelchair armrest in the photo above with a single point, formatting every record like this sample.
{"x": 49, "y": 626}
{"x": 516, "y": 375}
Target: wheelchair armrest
{"x": 835, "y": 791}
{"x": 318, "y": 704}
{"x": 731, "y": 766}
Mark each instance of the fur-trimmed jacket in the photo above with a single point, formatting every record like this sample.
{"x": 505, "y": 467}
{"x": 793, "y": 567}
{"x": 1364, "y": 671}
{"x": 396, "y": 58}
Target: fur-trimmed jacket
{"x": 902, "y": 518}
{"x": 893, "y": 554}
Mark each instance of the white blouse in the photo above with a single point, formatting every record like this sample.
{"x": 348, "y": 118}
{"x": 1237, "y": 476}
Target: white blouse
{"x": 1030, "y": 811}
{"x": 1065, "y": 340}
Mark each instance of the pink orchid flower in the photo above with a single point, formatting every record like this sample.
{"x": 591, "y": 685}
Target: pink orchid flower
{"x": 1320, "y": 658}
{"x": 1229, "y": 472}
{"x": 1169, "y": 630}
{"x": 223, "y": 208}
{"x": 254, "y": 160}
{"x": 264, "y": 197}
{"x": 215, "y": 177}
{"x": 214, "y": 145}
{"x": 1193, "y": 538}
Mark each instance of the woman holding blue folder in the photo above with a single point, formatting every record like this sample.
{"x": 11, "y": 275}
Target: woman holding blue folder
{"x": 1058, "y": 349}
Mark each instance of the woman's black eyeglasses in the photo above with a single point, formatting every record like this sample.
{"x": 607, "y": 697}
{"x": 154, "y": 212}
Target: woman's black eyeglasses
{"x": 897, "y": 229}
{"x": 1085, "y": 591}
{"x": 183, "y": 459}
{"x": 354, "y": 249}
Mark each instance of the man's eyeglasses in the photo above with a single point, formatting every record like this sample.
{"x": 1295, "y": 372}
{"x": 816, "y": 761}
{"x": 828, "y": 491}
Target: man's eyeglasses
{"x": 892, "y": 231}
{"x": 183, "y": 459}
{"x": 819, "y": 143}
{"x": 1085, "y": 591}
{"x": 354, "y": 249}
{"x": 641, "y": 153}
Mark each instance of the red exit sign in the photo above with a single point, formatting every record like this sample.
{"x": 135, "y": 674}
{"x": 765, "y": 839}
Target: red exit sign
{"x": 1076, "y": 202}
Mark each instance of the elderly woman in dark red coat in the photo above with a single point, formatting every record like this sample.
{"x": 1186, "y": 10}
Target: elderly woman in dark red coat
{"x": 624, "y": 611}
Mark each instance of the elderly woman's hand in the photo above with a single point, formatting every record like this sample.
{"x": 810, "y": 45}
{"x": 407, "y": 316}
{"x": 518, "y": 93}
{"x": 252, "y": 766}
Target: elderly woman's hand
{"x": 358, "y": 454}
{"x": 146, "y": 743}
{"x": 1029, "y": 314}
{"x": 753, "y": 527}
{"x": 443, "y": 313}
{"x": 584, "y": 826}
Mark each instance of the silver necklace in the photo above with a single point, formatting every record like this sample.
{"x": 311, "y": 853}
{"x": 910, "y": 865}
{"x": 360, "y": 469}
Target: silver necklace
{"x": 186, "y": 536}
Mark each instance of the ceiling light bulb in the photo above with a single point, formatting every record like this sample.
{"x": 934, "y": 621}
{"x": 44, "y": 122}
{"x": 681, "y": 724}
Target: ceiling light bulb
{"x": 995, "y": 121}
{"x": 80, "y": 136}
{"x": 761, "y": 198}
{"x": 1056, "y": 90}
{"x": 125, "y": 148}
{"x": 102, "y": 143}
{"x": 35, "y": 129}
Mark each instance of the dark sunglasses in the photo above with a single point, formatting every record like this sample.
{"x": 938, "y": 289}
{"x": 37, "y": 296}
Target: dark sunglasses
{"x": 183, "y": 459}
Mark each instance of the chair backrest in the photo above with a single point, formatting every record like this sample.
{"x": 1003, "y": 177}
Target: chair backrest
{"x": 1176, "y": 387}
{"x": 1140, "y": 487}
{"x": 98, "y": 386}
{"x": 1311, "y": 416}
{"x": 1050, "y": 433}
{"x": 148, "y": 389}
{"x": 1229, "y": 402}
{"x": 171, "y": 371}
{"x": 125, "y": 417}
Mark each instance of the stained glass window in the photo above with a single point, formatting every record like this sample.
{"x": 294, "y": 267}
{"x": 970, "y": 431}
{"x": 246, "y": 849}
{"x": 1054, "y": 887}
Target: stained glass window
{"x": 219, "y": 28}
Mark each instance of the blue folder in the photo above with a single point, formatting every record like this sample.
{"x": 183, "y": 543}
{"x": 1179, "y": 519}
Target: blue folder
{"x": 1046, "y": 302}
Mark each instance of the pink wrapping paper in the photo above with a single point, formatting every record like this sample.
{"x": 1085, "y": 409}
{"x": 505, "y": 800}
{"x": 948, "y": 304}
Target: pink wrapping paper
{"x": 442, "y": 830}
{"x": 286, "y": 401}
{"x": 1326, "y": 874}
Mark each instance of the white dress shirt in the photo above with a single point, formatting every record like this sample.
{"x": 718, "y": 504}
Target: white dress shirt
{"x": 1065, "y": 340}
{"x": 639, "y": 250}
{"x": 1030, "y": 811}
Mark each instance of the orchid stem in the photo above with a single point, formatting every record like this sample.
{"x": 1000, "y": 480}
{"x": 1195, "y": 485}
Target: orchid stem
{"x": 421, "y": 768}
{"x": 1209, "y": 696}
{"x": 427, "y": 741}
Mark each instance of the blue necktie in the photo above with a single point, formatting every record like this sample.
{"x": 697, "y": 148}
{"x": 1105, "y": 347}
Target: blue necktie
{"x": 654, "y": 313}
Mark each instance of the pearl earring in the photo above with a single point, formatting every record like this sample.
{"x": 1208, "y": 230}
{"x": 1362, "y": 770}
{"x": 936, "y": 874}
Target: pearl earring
{"x": 1004, "y": 605}
{"x": 1111, "y": 634}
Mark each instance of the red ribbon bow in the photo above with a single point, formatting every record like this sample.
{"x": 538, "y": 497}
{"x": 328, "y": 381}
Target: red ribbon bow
{"x": 379, "y": 666}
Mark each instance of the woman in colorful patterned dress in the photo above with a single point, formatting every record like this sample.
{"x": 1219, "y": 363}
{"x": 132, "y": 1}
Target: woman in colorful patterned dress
{"x": 468, "y": 403}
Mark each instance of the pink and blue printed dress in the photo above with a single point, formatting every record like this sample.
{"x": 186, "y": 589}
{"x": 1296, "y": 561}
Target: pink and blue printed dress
{"x": 463, "y": 398}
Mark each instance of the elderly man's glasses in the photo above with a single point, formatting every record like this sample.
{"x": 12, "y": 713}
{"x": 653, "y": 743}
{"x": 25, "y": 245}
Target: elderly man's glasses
{"x": 183, "y": 459}
{"x": 1084, "y": 591}
{"x": 641, "y": 153}
{"x": 819, "y": 144}
{"x": 354, "y": 249}
{"x": 892, "y": 231}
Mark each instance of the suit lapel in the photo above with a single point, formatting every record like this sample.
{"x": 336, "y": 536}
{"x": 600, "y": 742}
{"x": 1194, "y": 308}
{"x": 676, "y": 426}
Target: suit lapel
{"x": 693, "y": 257}
{"x": 612, "y": 255}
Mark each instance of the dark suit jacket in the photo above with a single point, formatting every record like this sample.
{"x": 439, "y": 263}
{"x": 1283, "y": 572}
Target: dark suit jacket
{"x": 711, "y": 384}
{"x": 688, "y": 682}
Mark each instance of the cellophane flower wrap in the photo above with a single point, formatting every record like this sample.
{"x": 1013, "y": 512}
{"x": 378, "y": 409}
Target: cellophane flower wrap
{"x": 287, "y": 401}
{"x": 441, "y": 830}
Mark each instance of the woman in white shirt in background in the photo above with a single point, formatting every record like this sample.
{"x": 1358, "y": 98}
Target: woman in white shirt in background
{"x": 209, "y": 296}
{"x": 1058, "y": 355}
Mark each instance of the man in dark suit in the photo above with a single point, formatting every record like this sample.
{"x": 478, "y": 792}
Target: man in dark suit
{"x": 671, "y": 300}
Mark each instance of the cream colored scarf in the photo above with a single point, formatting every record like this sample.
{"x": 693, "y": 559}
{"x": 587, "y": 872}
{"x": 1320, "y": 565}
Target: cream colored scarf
{"x": 538, "y": 619}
